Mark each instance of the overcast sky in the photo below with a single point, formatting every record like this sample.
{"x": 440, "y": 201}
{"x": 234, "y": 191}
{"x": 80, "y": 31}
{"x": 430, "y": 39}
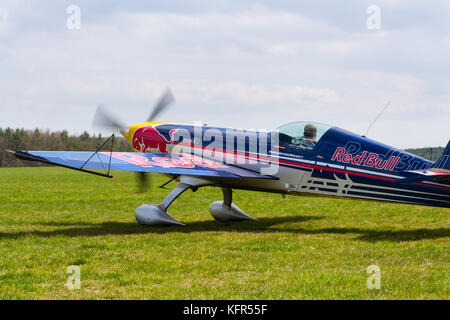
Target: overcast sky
{"x": 246, "y": 64}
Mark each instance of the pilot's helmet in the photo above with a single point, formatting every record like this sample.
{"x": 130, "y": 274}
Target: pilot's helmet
{"x": 310, "y": 131}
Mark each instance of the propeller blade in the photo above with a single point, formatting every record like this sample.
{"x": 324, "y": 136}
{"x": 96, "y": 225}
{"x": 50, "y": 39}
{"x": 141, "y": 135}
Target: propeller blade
{"x": 104, "y": 119}
{"x": 143, "y": 181}
{"x": 166, "y": 99}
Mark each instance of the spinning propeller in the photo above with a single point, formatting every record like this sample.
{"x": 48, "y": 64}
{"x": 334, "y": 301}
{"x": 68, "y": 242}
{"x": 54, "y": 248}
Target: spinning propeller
{"x": 105, "y": 119}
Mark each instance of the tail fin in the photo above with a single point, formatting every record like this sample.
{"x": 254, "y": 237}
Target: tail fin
{"x": 443, "y": 161}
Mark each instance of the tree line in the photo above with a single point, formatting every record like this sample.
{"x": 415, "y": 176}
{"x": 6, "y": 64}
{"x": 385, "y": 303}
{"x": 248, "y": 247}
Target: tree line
{"x": 430, "y": 153}
{"x": 22, "y": 139}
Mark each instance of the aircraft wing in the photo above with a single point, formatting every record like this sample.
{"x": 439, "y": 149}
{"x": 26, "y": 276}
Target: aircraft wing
{"x": 176, "y": 164}
{"x": 433, "y": 175}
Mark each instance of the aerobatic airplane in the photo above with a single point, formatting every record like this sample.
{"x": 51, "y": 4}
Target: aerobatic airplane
{"x": 299, "y": 158}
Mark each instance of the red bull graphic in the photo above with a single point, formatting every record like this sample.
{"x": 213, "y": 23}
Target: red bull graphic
{"x": 366, "y": 159}
{"x": 181, "y": 161}
{"x": 148, "y": 139}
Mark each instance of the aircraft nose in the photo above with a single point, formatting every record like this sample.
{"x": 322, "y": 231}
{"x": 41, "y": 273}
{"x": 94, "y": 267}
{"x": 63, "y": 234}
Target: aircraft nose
{"x": 126, "y": 133}
{"x": 129, "y": 132}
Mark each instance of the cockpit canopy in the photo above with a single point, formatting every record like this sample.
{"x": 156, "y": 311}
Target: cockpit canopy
{"x": 302, "y": 135}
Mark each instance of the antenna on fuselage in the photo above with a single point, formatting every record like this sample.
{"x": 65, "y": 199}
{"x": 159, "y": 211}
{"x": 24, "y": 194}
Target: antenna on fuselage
{"x": 378, "y": 116}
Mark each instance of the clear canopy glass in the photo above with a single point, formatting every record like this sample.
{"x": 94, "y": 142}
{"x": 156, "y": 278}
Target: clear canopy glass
{"x": 302, "y": 135}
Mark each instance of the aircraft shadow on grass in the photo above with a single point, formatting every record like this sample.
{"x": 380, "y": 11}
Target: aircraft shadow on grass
{"x": 264, "y": 225}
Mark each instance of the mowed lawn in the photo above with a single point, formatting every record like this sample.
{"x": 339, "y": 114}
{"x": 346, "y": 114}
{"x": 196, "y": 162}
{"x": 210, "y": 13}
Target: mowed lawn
{"x": 301, "y": 248}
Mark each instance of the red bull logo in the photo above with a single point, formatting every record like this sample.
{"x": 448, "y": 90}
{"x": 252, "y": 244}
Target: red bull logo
{"x": 366, "y": 159}
{"x": 148, "y": 139}
{"x": 180, "y": 161}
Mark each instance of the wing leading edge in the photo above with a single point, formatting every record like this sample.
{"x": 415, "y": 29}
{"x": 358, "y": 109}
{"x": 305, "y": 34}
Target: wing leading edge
{"x": 182, "y": 164}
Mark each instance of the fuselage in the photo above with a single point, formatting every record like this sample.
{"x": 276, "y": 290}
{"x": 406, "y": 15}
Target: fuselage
{"x": 338, "y": 163}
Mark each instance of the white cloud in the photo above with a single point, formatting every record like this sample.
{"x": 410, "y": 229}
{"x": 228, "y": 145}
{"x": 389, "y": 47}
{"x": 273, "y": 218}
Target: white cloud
{"x": 247, "y": 68}
{"x": 3, "y": 19}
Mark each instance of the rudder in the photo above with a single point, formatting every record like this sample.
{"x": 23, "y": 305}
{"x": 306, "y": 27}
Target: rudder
{"x": 443, "y": 161}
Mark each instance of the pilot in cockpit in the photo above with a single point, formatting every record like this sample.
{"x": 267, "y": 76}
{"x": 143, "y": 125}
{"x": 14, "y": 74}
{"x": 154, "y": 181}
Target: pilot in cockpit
{"x": 309, "y": 136}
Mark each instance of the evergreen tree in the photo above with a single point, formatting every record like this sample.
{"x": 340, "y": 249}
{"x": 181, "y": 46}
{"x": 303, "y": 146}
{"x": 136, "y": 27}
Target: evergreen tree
{"x": 84, "y": 136}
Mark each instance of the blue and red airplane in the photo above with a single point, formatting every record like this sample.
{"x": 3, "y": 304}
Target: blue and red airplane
{"x": 299, "y": 158}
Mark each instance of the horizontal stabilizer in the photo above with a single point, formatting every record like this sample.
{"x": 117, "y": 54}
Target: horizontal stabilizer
{"x": 434, "y": 174}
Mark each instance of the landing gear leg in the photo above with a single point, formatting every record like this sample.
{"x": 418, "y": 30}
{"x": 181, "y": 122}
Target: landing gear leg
{"x": 156, "y": 215}
{"x": 226, "y": 210}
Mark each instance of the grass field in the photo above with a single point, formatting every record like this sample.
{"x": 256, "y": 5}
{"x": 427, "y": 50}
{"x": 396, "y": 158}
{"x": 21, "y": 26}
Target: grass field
{"x": 302, "y": 247}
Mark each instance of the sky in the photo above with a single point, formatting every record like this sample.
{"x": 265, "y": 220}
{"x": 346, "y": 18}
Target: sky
{"x": 243, "y": 64}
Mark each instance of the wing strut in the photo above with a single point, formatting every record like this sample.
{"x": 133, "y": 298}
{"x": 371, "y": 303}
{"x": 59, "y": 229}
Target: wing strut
{"x": 96, "y": 152}
{"x": 26, "y": 156}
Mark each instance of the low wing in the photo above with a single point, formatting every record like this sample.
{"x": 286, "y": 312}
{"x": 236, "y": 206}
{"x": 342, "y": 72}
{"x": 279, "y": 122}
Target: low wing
{"x": 183, "y": 164}
{"x": 433, "y": 175}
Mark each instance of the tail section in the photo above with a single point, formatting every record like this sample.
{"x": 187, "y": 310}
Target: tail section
{"x": 443, "y": 162}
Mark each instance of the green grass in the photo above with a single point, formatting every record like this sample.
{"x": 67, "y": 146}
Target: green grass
{"x": 301, "y": 248}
